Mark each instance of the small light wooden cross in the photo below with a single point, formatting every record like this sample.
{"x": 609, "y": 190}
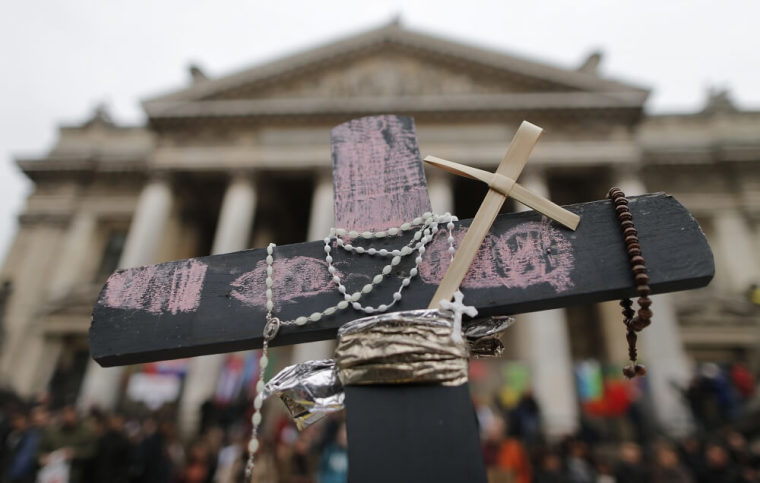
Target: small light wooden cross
{"x": 502, "y": 184}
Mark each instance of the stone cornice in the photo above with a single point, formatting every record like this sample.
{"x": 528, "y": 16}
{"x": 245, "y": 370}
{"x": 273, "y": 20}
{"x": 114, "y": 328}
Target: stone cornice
{"x": 701, "y": 155}
{"x": 47, "y": 219}
{"x": 317, "y": 156}
{"x": 67, "y": 324}
{"x": 433, "y": 105}
{"x": 74, "y": 165}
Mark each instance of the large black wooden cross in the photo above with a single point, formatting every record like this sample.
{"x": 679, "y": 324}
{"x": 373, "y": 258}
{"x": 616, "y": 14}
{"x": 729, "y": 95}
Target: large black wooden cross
{"x": 527, "y": 263}
{"x": 215, "y": 304}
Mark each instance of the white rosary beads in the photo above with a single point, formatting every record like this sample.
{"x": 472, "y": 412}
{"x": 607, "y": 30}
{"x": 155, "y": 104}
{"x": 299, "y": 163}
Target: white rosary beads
{"x": 428, "y": 227}
{"x": 270, "y": 331}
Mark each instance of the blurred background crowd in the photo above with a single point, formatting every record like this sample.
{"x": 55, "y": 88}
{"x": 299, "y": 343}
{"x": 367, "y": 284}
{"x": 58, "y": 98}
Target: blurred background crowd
{"x": 616, "y": 444}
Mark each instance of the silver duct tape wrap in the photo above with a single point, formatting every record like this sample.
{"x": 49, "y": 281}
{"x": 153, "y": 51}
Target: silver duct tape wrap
{"x": 401, "y": 347}
{"x": 309, "y": 390}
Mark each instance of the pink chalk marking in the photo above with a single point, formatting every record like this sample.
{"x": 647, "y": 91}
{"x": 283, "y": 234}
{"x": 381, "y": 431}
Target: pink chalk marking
{"x": 377, "y": 173}
{"x": 529, "y": 254}
{"x": 293, "y": 278}
{"x": 379, "y": 183}
{"x": 174, "y": 287}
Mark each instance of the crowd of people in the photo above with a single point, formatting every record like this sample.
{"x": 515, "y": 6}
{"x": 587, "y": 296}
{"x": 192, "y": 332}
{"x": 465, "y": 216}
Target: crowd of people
{"x": 723, "y": 444}
{"x": 723, "y": 456}
{"x": 41, "y": 445}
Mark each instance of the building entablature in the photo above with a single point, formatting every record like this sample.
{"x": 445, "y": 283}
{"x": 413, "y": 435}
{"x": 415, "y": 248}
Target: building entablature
{"x": 97, "y": 146}
{"x": 720, "y": 133}
{"x": 626, "y": 106}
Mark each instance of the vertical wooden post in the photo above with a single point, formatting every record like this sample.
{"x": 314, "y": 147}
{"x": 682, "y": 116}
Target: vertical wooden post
{"x": 397, "y": 433}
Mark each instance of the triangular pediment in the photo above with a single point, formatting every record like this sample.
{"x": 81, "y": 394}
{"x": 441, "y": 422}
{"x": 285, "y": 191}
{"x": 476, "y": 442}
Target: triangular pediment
{"x": 386, "y": 72}
{"x": 386, "y": 63}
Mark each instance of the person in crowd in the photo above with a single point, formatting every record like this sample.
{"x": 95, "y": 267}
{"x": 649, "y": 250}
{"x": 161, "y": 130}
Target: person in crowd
{"x": 152, "y": 463}
{"x": 333, "y": 462}
{"x": 70, "y": 438}
{"x": 198, "y": 467}
{"x": 229, "y": 457}
{"x": 690, "y": 450}
{"x": 296, "y": 452}
{"x": 22, "y": 444}
{"x": 114, "y": 453}
{"x": 550, "y": 468}
{"x": 505, "y": 456}
{"x": 667, "y": 466}
{"x": 736, "y": 445}
{"x": 718, "y": 466}
{"x": 580, "y": 467}
{"x": 631, "y": 468}
{"x": 491, "y": 437}
{"x": 743, "y": 381}
{"x": 525, "y": 419}
{"x": 213, "y": 437}
{"x": 703, "y": 398}
{"x": 605, "y": 471}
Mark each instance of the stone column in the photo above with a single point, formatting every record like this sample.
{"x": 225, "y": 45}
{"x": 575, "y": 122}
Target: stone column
{"x": 101, "y": 385}
{"x": 545, "y": 334}
{"x": 661, "y": 347}
{"x": 236, "y": 216}
{"x": 322, "y": 214}
{"x": 39, "y": 347}
{"x": 233, "y": 231}
{"x": 613, "y": 331}
{"x": 441, "y": 192}
{"x": 23, "y": 343}
{"x": 737, "y": 253}
{"x": 74, "y": 253}
{"x": 322, "y": 217}
{"x": 36, "y": 353}
{"x": 151, "y": 215}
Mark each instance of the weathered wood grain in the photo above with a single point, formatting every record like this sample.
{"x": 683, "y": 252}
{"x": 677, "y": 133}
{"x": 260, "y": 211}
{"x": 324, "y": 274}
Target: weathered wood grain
{"x": 377, "y": 173}
{"x": 526, "y": 264}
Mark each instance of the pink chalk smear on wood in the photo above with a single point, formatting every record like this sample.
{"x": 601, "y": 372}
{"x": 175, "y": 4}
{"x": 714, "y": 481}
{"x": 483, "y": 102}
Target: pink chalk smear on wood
{"x": 293, "y": 278}
{"x": 529, "y": 254}
{"x": 172, "y": 287}
{"x": 377, "y": 173}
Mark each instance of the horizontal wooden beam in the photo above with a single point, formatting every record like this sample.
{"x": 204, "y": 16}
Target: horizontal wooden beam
{"x": 216, "y": 304}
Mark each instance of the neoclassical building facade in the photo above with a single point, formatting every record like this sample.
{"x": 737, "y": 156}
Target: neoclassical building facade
{"x": 236, "y": 162}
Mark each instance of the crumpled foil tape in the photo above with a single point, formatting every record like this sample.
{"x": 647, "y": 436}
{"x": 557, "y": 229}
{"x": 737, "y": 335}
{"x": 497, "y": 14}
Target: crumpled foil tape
{"x": 309, "y": 390}
{"x": 396, "y": 348}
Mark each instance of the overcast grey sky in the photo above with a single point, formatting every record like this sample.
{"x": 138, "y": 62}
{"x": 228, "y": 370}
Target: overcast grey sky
{"x": 60, "y": 58}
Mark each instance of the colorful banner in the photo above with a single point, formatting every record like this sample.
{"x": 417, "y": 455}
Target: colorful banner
{"x": 602, "y": 390}
{"x": 177, "y": 367}
{"x": 588, "y": 377}
{"x": 154, "y": 390}
{"x": 239, "y": 373}
{"x": 516, "y": 382}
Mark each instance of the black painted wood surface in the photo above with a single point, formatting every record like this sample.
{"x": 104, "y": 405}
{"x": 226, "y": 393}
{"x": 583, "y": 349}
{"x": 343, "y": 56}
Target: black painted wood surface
{"x": 412, "y": 433}
{"x": 525, "y": 254}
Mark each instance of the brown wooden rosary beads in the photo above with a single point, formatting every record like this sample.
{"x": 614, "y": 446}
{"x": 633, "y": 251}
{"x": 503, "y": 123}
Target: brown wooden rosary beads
{"x": 633, "y": 321}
